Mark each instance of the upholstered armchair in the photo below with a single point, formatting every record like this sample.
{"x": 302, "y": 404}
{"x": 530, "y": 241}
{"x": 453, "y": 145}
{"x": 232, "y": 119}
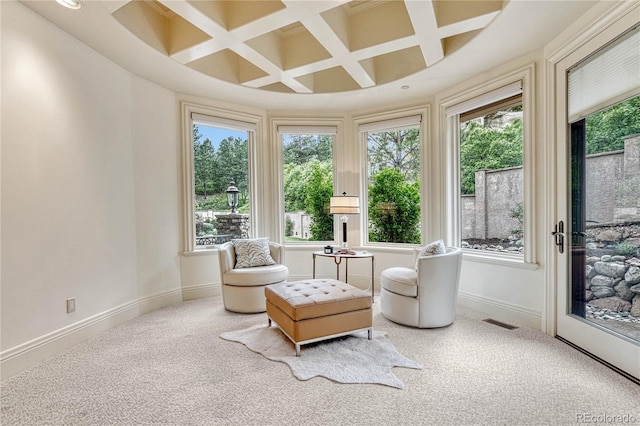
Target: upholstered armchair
{"x": 424, "y": 296}
{"x": 246, "y": 268}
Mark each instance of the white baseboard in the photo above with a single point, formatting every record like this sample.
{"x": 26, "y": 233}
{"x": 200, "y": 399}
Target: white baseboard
{"x": 201, "y": 291}
{"x": 501, "y": 311}
{"x": 28, "y": 354}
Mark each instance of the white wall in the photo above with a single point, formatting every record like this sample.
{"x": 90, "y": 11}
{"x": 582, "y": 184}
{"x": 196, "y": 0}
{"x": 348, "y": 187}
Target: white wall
{"x": 87, "y": 150}
{"x": 157, "y": 179}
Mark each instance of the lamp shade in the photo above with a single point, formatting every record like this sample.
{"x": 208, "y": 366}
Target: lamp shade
{"x": 344, "y": 204}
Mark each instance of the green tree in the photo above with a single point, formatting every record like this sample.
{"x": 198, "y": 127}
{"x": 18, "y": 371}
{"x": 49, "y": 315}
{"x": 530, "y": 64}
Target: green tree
{"x": 216, "y": 202}
{"x": 299, "y": 149}
{"x": 394, "y": 208}
{"x": 295, "y": 177}
{"x": 308, "y": 187}
{"x": 319, "y": 189}
{"x": 398, "y": 149}
{"x": 288, "y": 227}
{"x": 233, "y": 164}
{"x": 204, "y": 167}
{"x": 489, "y": 148}
{"x": 605, "y": 130}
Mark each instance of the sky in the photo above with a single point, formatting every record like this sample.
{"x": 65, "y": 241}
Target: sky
{"x": 216, "y": 134}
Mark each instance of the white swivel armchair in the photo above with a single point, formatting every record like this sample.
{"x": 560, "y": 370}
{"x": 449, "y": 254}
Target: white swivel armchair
{"x": 424, "y": 296}
{"x": 243, "y": 287}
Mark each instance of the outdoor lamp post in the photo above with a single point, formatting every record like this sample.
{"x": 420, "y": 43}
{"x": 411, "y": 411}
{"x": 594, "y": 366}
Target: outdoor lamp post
{"x": 232, "y": 196}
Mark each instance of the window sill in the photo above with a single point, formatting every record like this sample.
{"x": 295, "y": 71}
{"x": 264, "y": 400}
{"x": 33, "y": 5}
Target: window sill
{"x": 201, "y": 252}
{"x": 305, "y": 245}
{"x": 498, "y": 259}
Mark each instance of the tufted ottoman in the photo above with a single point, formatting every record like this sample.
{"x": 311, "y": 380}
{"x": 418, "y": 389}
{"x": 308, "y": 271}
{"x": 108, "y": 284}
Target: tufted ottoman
{"x": 313, "y": 310}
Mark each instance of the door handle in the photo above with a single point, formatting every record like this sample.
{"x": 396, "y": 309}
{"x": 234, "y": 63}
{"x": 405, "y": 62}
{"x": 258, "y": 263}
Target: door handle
{"x": 558, "y": 233}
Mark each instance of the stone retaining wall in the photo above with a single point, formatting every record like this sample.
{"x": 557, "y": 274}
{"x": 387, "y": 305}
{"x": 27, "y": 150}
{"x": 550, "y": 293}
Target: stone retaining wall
{"x": 613, "y": 282}
{"x": 612, "y": 182}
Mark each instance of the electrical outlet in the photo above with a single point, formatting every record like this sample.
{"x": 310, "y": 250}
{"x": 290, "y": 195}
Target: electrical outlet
{"x": 71, "y": 305}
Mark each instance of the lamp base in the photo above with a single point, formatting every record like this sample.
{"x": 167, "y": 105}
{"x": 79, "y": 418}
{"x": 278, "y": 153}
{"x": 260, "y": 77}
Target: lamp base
{"x": 344, "y": 220}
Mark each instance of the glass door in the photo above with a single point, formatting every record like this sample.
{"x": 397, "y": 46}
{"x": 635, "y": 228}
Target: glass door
{"x": 598, "y": 300}
{"x": 605, "y": 227}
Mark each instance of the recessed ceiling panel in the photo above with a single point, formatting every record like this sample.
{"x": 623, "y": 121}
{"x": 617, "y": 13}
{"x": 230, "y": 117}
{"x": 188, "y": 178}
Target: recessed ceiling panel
{"x": 147, "y": 22}
{"x": 453, "y": 11}
{"x": 301, "y": 48}
{"x": 243, "y": 12}
{"x": 183, "y": 35}
{"x": 453, "y": 43}
{"x": 159, "y": 27}
{"x": 290, "y": 47}
{"x": 399, "y": 64}
{"x": 330, "y": 80}
{"x": 374, "y": 23}
{"x": 228, "y": 66}
{"x": 277, "y": 87}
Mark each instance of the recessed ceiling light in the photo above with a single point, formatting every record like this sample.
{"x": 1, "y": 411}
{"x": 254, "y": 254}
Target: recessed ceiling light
{"x": 71, "y": 4}
{"x": 405, "y": 87}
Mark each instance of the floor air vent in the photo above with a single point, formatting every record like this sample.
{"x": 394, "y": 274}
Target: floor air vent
{"x": 500, "y": 324}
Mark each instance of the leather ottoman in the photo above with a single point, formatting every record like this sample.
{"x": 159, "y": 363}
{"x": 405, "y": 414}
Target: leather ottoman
{"x": 312, "y": 310}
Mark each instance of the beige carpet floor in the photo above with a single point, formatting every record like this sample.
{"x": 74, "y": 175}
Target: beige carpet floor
{"x": 170, "y": 367}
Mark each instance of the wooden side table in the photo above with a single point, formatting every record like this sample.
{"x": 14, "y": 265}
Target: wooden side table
{"x": 337, "y": 259}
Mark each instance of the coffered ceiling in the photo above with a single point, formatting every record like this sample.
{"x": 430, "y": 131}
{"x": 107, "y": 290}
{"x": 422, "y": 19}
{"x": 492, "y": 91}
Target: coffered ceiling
{"x": 312, "y": 54}
{"x": 307, "y": 46}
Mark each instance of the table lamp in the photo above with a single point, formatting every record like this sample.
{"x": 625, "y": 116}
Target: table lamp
{"x": 344, "y": 204}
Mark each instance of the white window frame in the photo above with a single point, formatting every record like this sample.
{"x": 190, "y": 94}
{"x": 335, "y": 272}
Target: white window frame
{"x": 393, "y": 120}
{"x": 221, "y": 118}
{"x": 281, "y": 126}
{"x": 450, "y": 109}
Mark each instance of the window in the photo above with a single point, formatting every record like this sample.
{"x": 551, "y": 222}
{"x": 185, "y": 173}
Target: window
{"x": 218, "y": 178}
{"x": 491, "y": 174}
{"x": 491, "y": 177}
{"x": 308, "y": 181}
{"x": 393, "y": 172}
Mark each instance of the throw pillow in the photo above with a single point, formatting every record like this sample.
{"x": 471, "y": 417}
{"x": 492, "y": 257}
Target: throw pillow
{"x": 436, "y": 247}
{"x": 250, "y": 253}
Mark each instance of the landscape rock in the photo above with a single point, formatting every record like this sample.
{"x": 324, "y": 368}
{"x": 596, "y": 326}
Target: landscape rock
{"x": 634, "y": 261}
{"x": 601, "y": 280}
{"x": 632, "y": 276}
{"x": 612, "y": 303}
{"x": 610, "y": 269}
{"x": 609, "y": 235}
{"x": 635, "y": 306}
{"x": 600, "y": 292}
{"x": 635, "y": 289}
{"x": 593, "y": 312}
{"x": 633, "y": 241}
{"x": 623, "y": 290}
{"x": 590, "y": 271}
{"x": 592, "y": 259}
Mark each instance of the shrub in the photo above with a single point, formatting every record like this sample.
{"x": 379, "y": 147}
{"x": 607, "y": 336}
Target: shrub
{"x": 394, "y": 208}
